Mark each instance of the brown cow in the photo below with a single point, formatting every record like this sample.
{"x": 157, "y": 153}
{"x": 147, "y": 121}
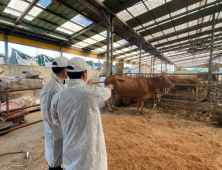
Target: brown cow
{"x": 139, "y": 88}
{"x": 204, "y": 77}
{"x": 181, "y": 80}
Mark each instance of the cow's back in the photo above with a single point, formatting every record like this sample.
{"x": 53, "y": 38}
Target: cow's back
{"x": 127, "y": 87}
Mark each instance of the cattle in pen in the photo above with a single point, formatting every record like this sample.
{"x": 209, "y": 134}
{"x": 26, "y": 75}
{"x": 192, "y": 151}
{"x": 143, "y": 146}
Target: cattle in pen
{"x": 140, "y": 89}
{"x": 189, "y": 84}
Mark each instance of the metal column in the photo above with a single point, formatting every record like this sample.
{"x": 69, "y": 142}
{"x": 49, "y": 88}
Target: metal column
{"x": 153, "y": 61}
{"x": 112, "y": 32}
{"x": 61, "y": 51}
{"x": 108, "y": 46}
{"x": 161, "y": 64}
{"x": 6, "y": 49}
{"x": 140, "y": 57}
{"x": 151, "y": 65}
{"x": 211, "y": 55}
{"x": 211, "y": 50}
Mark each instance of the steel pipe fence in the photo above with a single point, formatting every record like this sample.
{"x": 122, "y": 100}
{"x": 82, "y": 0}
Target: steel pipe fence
{"x": 215, "y": 90}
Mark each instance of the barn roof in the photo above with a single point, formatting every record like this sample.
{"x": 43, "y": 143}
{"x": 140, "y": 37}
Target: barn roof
{"x": 178, "y": 31}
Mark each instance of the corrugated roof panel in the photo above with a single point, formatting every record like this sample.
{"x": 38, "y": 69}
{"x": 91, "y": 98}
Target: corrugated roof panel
{"x": 184, "y": 41}
{"x": 82, "y": 44}
{"x": 220, "y": 15}
{"x": 44, "y": 3}
{"x": 124, "y": 15}
{"x": 126, "y": 49}
{"x": 33, "y": 12}
{"x": 17, "y": 5}
{"x": 208, "y": 18}
{"x": 77, "y": 46}
{"x": 138, "y": 27}
{"x": 149, "y": 23}
{"x": 82, "y": 20}
{"x": 137, "y": 9}
{"x": 183, "y": 35}
{"x": 167, "y": 31}
{"x": 119, "y": 57}
{"x": 178, "y": 12}
{"x": 158, "y": 34}
{"x": 151, "y": 4}
{"x": 104, "y": 33}
{"x": 70, "y": 27}
{"x": 191, "y": 33}
{"x": 64, "y": 30}
{"x": 101, "y": 49}
{"x": 119, "y": 51}
{"x": 13, "y": 12}
{"x": 192, "y": 23}
{"x": 163, "y": 41}
{"x": 123, "y": 42}
{"x": 128, "y": 54}
{"x": 98, "y": 37}
{"x": 89, "y": 41}
{"x": 155, "y": 43}
{"x": 218, "y": 25}
{"x": 163, "y": 18}
{"x": 194, "y": 6}
{"x": 134, "y": 47}
{"x": 149, "y": 37}
{"x": 182, "y": 26}
{"x": 172, "y": 38}
{"x": 115, "y": 45}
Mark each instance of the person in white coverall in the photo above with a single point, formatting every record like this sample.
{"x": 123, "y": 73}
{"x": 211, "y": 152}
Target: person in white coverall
{"x": 53, "y": 134}
{"x": 76, "y": 110}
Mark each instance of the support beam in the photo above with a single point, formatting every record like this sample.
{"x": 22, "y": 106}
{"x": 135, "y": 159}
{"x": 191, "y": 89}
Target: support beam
{"x": 151, "y": 64}
{"x": 6, "y": 49}
{"x": 108, "y": 47}
{"x": 85, "y": 30}
{"x": 112, "y": 33}
{"x": 61, "y": 52}
{"x": 31, "y": 5}
{"x": 125, "y": 5}
{"x": 161, "y": 64}
{"x": 154, "y": 61}
{"x": 140, "y": 57}
{"x": 211, "y": 54}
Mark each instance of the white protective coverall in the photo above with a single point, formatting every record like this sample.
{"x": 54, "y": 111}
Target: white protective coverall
{"x": 76, "y": 109}
{"x": 53, "y": 134}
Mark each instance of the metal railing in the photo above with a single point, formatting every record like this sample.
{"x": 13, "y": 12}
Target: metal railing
{"x": 7, "y": 91}
{"x": 215, "y": 90}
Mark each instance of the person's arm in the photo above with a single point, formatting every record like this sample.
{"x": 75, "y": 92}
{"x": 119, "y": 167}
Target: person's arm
{"x": 105, "y": 92}
{"x": 53, "y": 110}
{"x": 45, "y": 100}
{"x": 90, "y": 81}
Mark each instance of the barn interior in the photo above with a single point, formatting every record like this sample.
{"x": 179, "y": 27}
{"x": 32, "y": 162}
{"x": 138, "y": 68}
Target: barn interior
{"x": 179, "y": 128}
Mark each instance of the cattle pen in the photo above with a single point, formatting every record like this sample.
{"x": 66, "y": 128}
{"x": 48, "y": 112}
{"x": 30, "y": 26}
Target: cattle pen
{"x": 208, "y": 98}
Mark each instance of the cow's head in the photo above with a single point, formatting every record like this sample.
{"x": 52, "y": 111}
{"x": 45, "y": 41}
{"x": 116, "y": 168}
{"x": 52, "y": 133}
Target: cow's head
{"x": 165, "y": 82}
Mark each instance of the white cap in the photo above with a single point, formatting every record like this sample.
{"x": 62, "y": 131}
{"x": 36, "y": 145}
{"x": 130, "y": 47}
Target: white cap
{"x": 78, "y": 64}
{"x": 60, "y": 61}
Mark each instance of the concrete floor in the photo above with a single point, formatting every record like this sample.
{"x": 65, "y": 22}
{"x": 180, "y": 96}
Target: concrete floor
{"x": 29, "y": 139}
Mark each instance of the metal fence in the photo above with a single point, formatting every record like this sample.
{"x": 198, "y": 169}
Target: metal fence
{"x": 213, "y": 99}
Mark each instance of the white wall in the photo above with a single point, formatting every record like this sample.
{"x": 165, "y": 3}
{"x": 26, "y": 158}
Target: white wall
{"x": 16, "y": 71}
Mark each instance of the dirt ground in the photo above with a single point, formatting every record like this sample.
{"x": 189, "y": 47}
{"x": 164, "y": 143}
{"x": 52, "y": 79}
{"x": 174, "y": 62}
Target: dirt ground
{"x": 161, "y": 139}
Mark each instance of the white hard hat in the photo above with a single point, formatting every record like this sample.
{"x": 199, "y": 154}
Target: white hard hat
{"x": 78, "y": 65}
{"x": 60, "y": 62}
